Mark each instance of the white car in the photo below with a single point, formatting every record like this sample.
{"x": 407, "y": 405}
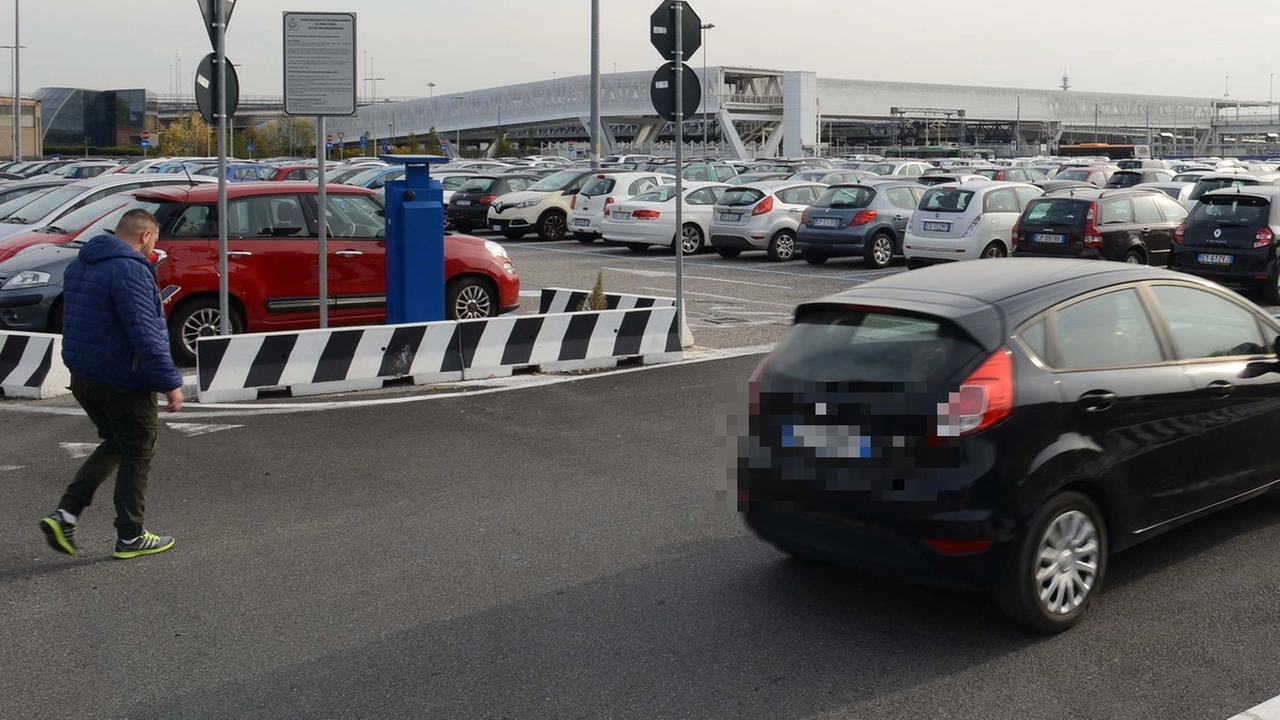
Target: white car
{"x": 762, "y": 216}
{"x": 589, "y": 205}
{"x": 47, "y": 208}
{"x": 542, "y": 207}
{"x": 965, "y": 221}
{"x": 650, "y": 218}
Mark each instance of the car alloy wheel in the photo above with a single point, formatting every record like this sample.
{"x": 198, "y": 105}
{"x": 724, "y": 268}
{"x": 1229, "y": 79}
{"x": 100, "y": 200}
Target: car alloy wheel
{"x": 1133, "y": 258}
{"x": 472, "y": 302}
{"x": 691, "y": 240}
{"x": 1067, "y": 563}
{"x": 994, "y": 250}
{"x": 881, "y": 251}
{"x": 203, "y": 322}
{"x": 552, "y": 227}
{"x": 783, "y": 246}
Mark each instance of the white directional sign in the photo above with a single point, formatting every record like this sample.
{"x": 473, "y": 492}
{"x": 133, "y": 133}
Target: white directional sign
{"x": 319, "y": 64}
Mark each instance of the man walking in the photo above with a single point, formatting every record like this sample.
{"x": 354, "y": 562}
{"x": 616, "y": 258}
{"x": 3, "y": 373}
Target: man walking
{"x": 116, "y": 344}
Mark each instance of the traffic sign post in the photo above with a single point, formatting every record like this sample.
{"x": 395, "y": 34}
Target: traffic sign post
{"x": 217, "y": 96}
{"x": 145, "y": 137}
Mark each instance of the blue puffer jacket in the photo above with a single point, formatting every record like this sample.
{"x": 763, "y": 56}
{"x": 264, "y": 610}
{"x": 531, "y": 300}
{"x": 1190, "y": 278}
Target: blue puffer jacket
{"x": 113, "y": 330}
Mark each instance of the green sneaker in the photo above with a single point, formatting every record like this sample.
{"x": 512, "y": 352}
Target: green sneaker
{"x": 60, "y": 534}
{"x": 145, "y": 544}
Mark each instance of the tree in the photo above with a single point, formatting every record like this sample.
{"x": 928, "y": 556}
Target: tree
{"x": 285, "y": 136}
{"x": 505, "y": 148}
{"x": 186, "y": 136}
{"x": 411, "y": 144}
{"x": 596, "y": 300}
{"x": 431, "y": 144}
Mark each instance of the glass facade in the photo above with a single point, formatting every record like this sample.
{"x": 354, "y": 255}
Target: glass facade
{"x": 102, "y": 118}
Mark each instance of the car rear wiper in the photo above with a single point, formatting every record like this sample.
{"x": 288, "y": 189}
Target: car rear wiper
{"x": 54, "y": 229}
{"x": 15, "y": 220}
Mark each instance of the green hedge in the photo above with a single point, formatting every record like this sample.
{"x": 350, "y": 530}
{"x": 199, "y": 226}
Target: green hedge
{"x": 70, "y": 151}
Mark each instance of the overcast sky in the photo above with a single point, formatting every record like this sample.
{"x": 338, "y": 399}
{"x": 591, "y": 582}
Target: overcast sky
{"x": 1142, "y": 46}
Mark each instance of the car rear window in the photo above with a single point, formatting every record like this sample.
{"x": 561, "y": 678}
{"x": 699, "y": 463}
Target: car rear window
{"x": 478, "y": 185}
{"x": 1057, "y": 211}
{"x": 599, "y": 186}
{"x": 1125, "y": 179}
{"x": 1078, "y": 174}
{"x": 657, "y": 195}
{"x": 1232, "y": 210}
{"x": 850, "y": 197}
{"x": 881, "y": 169}
{"x": 946, "y": 200}
{"x": 848, "y": 346}
{"x": 741, "y": 196}
{"x": 1210, "y": 184}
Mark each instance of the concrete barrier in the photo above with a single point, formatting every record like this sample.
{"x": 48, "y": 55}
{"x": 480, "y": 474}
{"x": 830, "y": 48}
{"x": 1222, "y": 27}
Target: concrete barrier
{"x": 562, "y": 300}
{"x": 31, "y": 366}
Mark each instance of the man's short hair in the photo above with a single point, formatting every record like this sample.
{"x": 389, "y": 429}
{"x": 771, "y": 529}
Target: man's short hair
{"x": 134, "y": 222}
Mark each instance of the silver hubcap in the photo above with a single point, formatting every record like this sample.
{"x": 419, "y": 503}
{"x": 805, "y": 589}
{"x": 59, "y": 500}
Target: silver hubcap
{"x": 204, "y": 322}
{"x": 786, "y": 246}
{"x": 473, "y": 302}
{"x": 554, "y": 226}
{"x": 882, "y": 251}
{"x": 1133, "y": 260}
{"x": 994, "y": 252}
{"x": 1067, "y": 564}
{"x": 690, "y": 241}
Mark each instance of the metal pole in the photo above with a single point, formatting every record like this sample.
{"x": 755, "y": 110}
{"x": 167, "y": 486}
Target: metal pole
{"x": 686, "y": 338}
{"x": 17, "y": 87}
{"x": 224, "y": 297}
{"x": 595, "y": 85}
{"x": 324, "y": 225}
{"x": 705, "y": 86}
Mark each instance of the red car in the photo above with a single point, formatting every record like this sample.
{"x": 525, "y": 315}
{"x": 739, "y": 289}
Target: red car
{"x": 274, "y": 263}
{"x": 295, "y": 172}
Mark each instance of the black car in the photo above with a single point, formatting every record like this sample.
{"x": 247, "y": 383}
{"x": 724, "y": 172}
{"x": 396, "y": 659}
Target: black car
{"x": 469, "y": 207}
{"x": 1135, "y": 176}
{"x": 1009, "y": 424}
{"x": 1230, "y": 236}
{"x": 1132, "y": 226}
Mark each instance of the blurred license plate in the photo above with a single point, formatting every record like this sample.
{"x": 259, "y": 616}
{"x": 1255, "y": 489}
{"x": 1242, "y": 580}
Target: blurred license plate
{"x": 826, "y": 222}
{"x": 730, "y": 217}
{"x": 622, "y": 216}
{"x": 937, "y": 227}
{"x": 1050, "y": 239}
{"x": 829, "y": 441}
{"x": 1207, "y": 259}
{"x": 581, "y": 222}
{"x": 463, "y": 202}
{"x": 495, "y": 228}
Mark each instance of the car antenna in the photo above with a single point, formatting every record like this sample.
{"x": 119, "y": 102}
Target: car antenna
{"x": 188, "y": 174}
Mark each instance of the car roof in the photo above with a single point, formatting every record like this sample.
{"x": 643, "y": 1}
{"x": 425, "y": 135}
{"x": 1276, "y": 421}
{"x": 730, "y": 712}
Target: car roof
{"x": 208, "y": 192}
{"x": 1267, "y": 191}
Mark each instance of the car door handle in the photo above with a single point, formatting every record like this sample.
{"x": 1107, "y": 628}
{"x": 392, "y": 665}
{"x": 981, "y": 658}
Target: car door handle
{"x": 795, "y": 210}
{"x": 1219, "y": 389}
{"x": 348, "y": 253}
{"x": 238, "y": 253}
{"x": 1097, "y": 400}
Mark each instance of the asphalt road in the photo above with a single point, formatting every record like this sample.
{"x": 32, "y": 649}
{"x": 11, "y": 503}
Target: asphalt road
{"x": 556, "y": 552}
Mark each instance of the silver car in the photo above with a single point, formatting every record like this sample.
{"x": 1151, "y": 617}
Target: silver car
{"x": 762, "y": 216}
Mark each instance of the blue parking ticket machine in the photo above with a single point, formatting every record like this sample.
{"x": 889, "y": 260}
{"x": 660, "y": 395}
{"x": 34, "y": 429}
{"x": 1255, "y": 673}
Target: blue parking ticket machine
{"x": 415, "y": 242}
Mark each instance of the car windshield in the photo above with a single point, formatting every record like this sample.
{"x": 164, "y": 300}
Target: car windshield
{"x": 78, "y": 219}
{"x": 20, "y": 198}
{"x": 850, "y": 197}
{"x": 364, "y": 177}
{"x": 657, "y": 195}
{"x": 738, "y": 197}
{"x": 1205, "y": 185}
{"x": 555, "y": 182}
{"x": 38, "y": 208}
{"x": 478, "y": 185}
{"x": 1079, "y": 174}
{"x": 107, "y": 223}
{"x": 599, "y": 186}
{"x": 1188, "y": 177}
{"x": 946, "y": 200}
{"x": 881, "y": 169}
{"x": 1125, "y": 179}
{"x": 843, "y": 346}
{"x": 1232, "y": 210}
{"x": 1056, "y": 212}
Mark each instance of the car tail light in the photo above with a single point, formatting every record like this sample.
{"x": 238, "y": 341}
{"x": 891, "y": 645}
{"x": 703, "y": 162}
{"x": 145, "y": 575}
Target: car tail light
{"x": 863, "y": 217}
{"x": 973, "y": 226}
{"x": 1000, "y": 175}
{"x": 487, "y": 199}
{"x": 984, "y": 399}
{"x": 764, "y": 206}
{"x": 1017, "y": 228}
{"x": 1264, "y": 238}
{"x": 646, "y": 214}
{"x": 1092, "y": 236}
{"x": 573, "y": 203}
{"x": 1179, "y": 235}
{"x": 607, "y": 202}
{"x": 753, "y": 387}
{"x": 804, "y": 217}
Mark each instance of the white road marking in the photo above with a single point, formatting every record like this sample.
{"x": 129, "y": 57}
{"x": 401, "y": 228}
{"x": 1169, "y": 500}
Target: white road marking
{"x": 523, "y": 293}
{"x": 653, "y": 273}
{"x": 1269, "y": 710}
{"x": 10, "y": 468}
{"x": 642, "y": 273}
{"x": 78, "y": 450}
{"x": 729, "y": 297}
{"x": 193, "y": 429}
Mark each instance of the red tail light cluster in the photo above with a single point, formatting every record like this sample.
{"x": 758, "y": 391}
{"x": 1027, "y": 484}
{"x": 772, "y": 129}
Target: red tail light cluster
{"x": 1092, "y": 236}
{"x": 1264, "y": 238}
{"x": 863, "y": 217}
{"x": 984, "y": 399}
{"x": 487, "y": 199}
{"x": 573, "y": 202}
{"x": 1017, "y": 228}
{"x": 607, "y": 202}
{"x": 804, "y": 217}
{"x": 764, "y": 206}
{"x": 1179, "y": 235}
{"x": 646, "y": 214}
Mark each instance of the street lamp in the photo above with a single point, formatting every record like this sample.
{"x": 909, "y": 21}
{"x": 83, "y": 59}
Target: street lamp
{"x": 457, "y": 138}
{"x": 705, "y": 85}
{"x": 17, "y": 92}
{"x": 432, "y": 87}
{"x": 1095, "y": 122}
{"x": 1226, "y": 86}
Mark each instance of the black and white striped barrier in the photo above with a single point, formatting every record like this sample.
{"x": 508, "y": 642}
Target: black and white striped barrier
{"x": 313, "y": 362}
{"x": 562, "y": 300}
{"x": 31, "y": 366}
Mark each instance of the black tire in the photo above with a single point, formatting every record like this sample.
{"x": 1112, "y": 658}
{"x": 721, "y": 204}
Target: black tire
{"x": 584, "y": 238}
{"x": 471, "y": 298}
{"x": 814, "y": 258}
{"x": 782, "y": 247}
{"x": 193, "y": 319}
{"x": 513, "y": 234}
{"x": 728, "y": 253}
{"x": 1020, "y": 596}
{"x": 637, "y": 247}
{"x": 994, "y": 249}
{"x": 1271, "y": 291}
{"x": 1135, "y": 257}
{"x": 880, "y": 251}
{"x": 464, "y": 228}
{"x": 552, "y": 226}
{"x": 692, "y": 236}
{"x": 54, "y": 325}
{"x": 914, "y": 264}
